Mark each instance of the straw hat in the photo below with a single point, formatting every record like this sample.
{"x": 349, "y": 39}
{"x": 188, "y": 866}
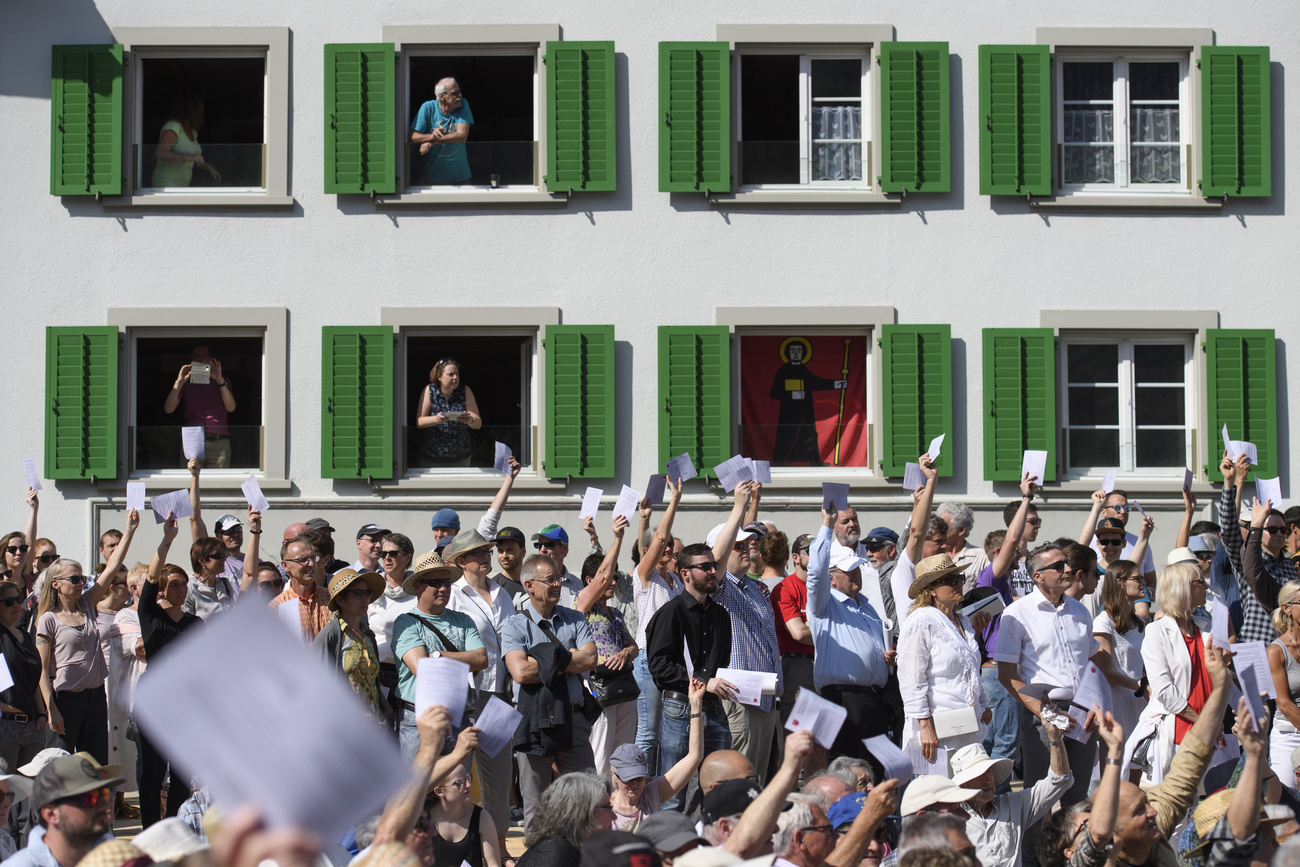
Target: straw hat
{"x": 345, "y": 578}
{"x": 430, "y": 565}
{"x": 1215, "y": 807}
{"x": 930, "y": 570}
{"x": 465, "y": 541}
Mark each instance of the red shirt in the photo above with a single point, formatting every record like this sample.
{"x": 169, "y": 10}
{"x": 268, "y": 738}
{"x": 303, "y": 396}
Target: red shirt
{"x": 790, "y": 599}
{"x": 1201, "y": 683}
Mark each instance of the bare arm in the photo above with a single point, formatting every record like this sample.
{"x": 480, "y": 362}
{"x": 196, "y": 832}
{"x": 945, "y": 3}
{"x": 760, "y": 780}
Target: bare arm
{"x": 1243, "y": 810}
{"x": 1139, "y": 552}
{"x": 752, "y": 515}
{"x": 604, "y": 577}
{"x": 25, "y": 566}
{"x": 1277, "y": 668}
{"x": 253, "y": 551}
{"x": 583, "y": 659}
{"x": 522, "y": 667}
{"x": 476, "y": 659}
{"x": 1105, "y": 659}
{"x": 662, "y": 538}
{"x": 115, "y": 560}
{"x": 403, "y": 809}
{"x": 923, "y": 501}
{"x": 198, "y": 529}
{"x": 881, "y": 802}
{"x": 1105, "y": 801}
{"x": 503, "y": 493}
{"x": 727, "y": 538}
{"x": 1009, "y": 553}
{"x": 1090, "y": 523}
{"x": 1185, "y": 528}
{"x": 1009, "y": 677}
{"x": 799, "y": 630}
{"x": 759, "y": 819}
{"x": 475, "y": 420}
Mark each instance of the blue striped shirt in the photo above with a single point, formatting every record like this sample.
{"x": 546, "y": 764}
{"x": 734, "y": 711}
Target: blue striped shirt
{"x": 753, "y": 630}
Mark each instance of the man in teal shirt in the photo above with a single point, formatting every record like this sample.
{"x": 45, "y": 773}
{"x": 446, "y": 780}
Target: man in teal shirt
{"x": 441, "y": 128}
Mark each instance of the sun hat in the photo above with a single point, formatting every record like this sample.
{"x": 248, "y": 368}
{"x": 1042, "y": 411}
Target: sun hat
{"x": 465, "y": 542}
{"x": 1181, "y": 555}
{"x": 429, "y": 565}
{"x": 972, "y": 761}
{"x": 105, "y": 771}
{"x": 930, "y": 570}
{"x": 18, "y": 784}
{"x": 345, "y": 578}
{"x": 40, "y": 760}
{"x": 1215, "y": 807}
{"x": 927, "y": 790}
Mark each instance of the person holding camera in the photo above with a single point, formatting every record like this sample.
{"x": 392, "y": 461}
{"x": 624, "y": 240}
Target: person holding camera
{"x": 205, "y": 399}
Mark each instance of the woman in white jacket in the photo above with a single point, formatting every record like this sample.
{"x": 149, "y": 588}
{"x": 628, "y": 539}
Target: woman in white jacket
{"x": 1173, "y": 651}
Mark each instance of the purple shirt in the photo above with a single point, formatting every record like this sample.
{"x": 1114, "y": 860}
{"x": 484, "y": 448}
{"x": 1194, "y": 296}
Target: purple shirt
{"x": 201, "y": 406}
{"x": 989, "y": 635}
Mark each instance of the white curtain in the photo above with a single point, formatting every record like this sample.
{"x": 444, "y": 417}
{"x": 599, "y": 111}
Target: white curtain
{"x": 840, "y": 161}
{"x": 1089, "y": 165}
{"x": 1155, "y": 163}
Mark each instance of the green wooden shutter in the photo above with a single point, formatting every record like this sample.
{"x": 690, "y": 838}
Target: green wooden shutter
{"x": 917, "y": 394}
{"x": 1236, "y": 126}
{"x": 86, "y": 121}
{"x": 81, "y": 402}
{"x": 1015, "y": 120}
{"x": 1019, "y": 400}
{"x": 580, "y": 401}
{"x": 360, "y": 118}
{"x": 695, "y": 395}
{"x": 694, "y": 117}
{"x": 916, "y": 143}
{"x": 1241, "y": 392}
{"x": 581, "y": 146}
{"x": 356, "y": 402}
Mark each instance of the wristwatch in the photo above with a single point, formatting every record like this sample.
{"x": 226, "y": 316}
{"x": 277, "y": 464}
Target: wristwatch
{"x": 434, "y": 654}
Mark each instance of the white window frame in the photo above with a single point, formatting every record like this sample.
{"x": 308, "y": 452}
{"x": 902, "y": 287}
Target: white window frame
{"x": 806, "y": 101}
{"x": 1121, "y": 103}
{"x": 154, "y": 42}
{"x": 1127, "y": 389}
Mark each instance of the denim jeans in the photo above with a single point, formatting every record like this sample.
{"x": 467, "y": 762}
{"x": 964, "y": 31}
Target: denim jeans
{"x": 19, "y": 744}
{"x": 649, "y": 707}
{"x": 675, "y": 735}
{"x": 408, "y": 734}
{"x": 1002, "y": 740}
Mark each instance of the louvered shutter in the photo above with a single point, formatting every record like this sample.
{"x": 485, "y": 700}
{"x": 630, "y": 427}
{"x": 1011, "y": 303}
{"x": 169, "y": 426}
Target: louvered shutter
{"x": 917, "y": 394}
{"x": 695, "y": 395}
{"x": 1019, "y": 400}
{"x": 580, "y": 429}
{"x": 1015, "y": 120}
{"x": 1236, "y": 126}
{"x": 86, "y": 121}
{"x": 360, "y": 118}
{"x": 694, "y": 117}
{"x": 357, "y": 402}
{"x": 1241, "y": 392}
{"x": 581, "y": 146}
{"x": 916, "y": 144}
{"x": 81, "y": 402}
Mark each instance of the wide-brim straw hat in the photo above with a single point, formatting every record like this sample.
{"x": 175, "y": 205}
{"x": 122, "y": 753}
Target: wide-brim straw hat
{"x": 430, "y": 565}
{"x": 930, "y": 570}
{"x": 345, "y": 578}
{"x": 1215, "y": 807}
{"x": 465, "y": 541}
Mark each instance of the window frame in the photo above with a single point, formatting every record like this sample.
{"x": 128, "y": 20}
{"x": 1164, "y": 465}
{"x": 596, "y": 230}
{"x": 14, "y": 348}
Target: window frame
{"x": 139, "y": 43}
{"x": 272, "y": 324}
{"x": 430, "y": 40}
{"x": 849, "y": 320}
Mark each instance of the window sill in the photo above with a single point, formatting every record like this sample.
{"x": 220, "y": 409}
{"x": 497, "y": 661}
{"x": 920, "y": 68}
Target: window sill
{"x": 831, "y": 198}
{"x": 484, "y": 199}
{"x": 457, "y": 481}
{"x": 208, "y": 482}
{"x": 238, "y": 201}
{"x": 1126, "y": 203}
{"x": 1159, "y": 487}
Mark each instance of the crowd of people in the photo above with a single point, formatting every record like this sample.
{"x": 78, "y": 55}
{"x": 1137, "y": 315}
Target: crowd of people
{"x": 1061, "y": 702}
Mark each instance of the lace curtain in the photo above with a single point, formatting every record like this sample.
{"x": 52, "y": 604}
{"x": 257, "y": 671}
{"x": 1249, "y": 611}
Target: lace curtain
{"x": 837, "y": 161}
{"x": 1149, "y": 163}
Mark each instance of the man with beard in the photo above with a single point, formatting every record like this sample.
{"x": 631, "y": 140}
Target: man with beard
{"x": 75, "y": 809}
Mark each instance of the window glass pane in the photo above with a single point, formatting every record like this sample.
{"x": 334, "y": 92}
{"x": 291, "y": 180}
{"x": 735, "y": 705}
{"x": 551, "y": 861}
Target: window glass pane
{"x": 1158, "y": 362}
{"x": 836, "y": 78}
{"x": 840, "y": 161}
{"x": 1094, "y": 405}
{"x": 1093, "y": 448}
{"x": 1161, "y": 448}
{"x": 1156, "y": 405}
{"x": 770, "y": 119}
{"x": 1093, "y": 362}
{"x": 1153, "y": 81}
{"x": 1088, "y": 81}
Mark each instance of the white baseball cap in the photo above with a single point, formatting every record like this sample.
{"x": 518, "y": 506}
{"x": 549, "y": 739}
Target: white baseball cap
{"x": 845, "y": 559}
{"x": 741, "y": 535}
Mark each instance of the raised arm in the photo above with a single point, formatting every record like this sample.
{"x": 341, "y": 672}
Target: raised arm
{"x": 759, "y": 819}
{"x": 1089, "y": 528}
{"x": 1139, "y": 552}
{"x": 198, "y": 530}
{"x": 923, "y": 500}
{"x": 487, "y": 525}
{"x": 403, "y": 809}
{"x": 676, "y": 777}
{"x": 254, "y": 550}
{"x": 662, "y": 538}
{"x": 34, "y": 502}
{"x": 819, "y": 565}
{"x": 160, "y": 556}
{"x": 752, "y": 514}
{"x": 881, "y": 802}
{"x": 604, "y": 577}
{"x": 1252, "y": 556}
{"x": 1243, "y": 810}
{"x": 1185, "y": 528}
{"x": 116, "y": 559}
{"x": 1105, "y": 800}
{"x": 727, "y": 538}
{"x": 1009, "y": 553}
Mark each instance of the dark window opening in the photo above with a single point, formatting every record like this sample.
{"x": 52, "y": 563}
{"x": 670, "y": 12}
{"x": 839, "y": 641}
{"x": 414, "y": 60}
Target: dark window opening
{"x": 769, "y": 119}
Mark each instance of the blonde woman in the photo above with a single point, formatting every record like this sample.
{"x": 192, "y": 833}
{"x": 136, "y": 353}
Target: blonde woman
{"x": 1284, "y": 664}
{"x": 1119, "y": 631}
{"x": 1173, "y": 652}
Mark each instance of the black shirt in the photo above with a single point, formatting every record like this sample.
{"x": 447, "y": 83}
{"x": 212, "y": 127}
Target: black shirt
{"x": 156, "y": 628}
{"x": 25, "y": 667}
{"x": 706, "y": 628}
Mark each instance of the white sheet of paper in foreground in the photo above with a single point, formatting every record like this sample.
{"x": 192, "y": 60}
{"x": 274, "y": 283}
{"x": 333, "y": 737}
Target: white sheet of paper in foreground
{"x": 444, "y": 681}
{"x": 1219, "y": 623}
{"x": 936, "y": 447}
{"x": 496, "y": 724}
{"x": 625, "y": 505}
{"x": 290, "y": 616}
{"x": 763, "y": 472}
{"x": 1227, "y": 443}
{"x": 192, "y": 442}
{"x": 6, "y": 677}
{"x": 732, "y": 472}
{"x": 176, "y": 501}
{"x": 1254, "y": 654}
{"x": 751, "y": 686}
{"x": 654, "y": 489}
{"x": 501, "y": 458}
{"x": 915, "y": 755}
{"x": 228, "y": 724}
{"x": 812, "y": 713}
{"x": 1092, "y": 689}
{"x": 253, "y": 494}
{"x": 1250, "y": 689}
{"x": 681, "y": 467}
{"x": 913, "y": 478}
{"x": 1268, "y": 491}
{"x": 896, "y": 763}
{"x": 835, "y": 494}
{"x": 135, "y": 496}
{"x": 32, "y": 474}
{"x": 1108, "y": 482}
{"x": 590, "y": 503}
{"x": 1077, "y": 731}
{"x": 1035, "y": 464}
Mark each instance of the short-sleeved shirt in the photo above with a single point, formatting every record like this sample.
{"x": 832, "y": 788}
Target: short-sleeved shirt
{"x": 411, "y": 630}
{"x": 607, "y": 630}
{"x": 445, "y": 163}
{"x": 522, "y": 632}
{"x": 1049, "y": 643}
{"x": 790, "y": 600}
{"x": 25, "y": 668}
{"x": 202, "y": 406}
{"x": 313, "y": 610}
{"x": 78, "y": 658}
{"x": 203, "y": 601}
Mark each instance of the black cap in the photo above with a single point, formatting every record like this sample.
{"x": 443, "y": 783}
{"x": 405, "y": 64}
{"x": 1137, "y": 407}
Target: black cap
{"x": 511, "y": 534}
{"x": 758, "y": 528}
{"x": 319, "y": 524}
{"x": 372, "y": 530}
{"x": 618, "y": 849}
{"x": 731, "y": 798}
{"x": 802, "y": 543}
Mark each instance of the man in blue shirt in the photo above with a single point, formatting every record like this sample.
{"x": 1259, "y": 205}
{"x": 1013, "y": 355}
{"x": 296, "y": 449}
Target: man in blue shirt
{"x": 75, "y": 809}
{"x": 441, "y": 128}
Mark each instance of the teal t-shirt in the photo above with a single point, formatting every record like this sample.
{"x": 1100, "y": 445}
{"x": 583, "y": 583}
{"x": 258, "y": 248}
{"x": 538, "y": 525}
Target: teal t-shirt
{"x": 409, "y": 631}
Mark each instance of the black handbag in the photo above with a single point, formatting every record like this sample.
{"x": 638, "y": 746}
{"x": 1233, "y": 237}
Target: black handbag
{"x": 614, "y": 687}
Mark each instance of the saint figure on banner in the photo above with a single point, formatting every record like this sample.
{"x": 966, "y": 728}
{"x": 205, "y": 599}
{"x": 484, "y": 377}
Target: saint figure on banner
{"x": 793, "y": 385}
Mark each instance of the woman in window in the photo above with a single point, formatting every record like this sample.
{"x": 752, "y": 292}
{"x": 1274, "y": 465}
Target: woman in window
{"x": 448, "y": 411}
{"x": 1118, "y": 630}
{"x": 178, "y": 150}
{"x": 67, "y": 637}
{"x": 346, "y": 641}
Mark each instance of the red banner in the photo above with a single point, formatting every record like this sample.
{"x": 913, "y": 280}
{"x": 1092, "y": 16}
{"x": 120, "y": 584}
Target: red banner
{"x": 803, "y": 400}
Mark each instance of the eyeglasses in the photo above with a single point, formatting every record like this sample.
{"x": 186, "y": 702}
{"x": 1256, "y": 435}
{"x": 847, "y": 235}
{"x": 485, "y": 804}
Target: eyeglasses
{"x": 552, "y": 580}
{"x": 73, "y": 579}
{"x": 822, "y": 829}
{"x": 458, "y": 783}
{"x": 86, "y": 800}
{"x": 303, "y": 561}
{"x": 1275, "y": 529}
{"x": 47, "y": 558}
{"x": 1034, "y": 522}
{"x": 480, "y": 554}
{"x": 434, "y": 582}
{"x": 11, "y": 601}
{"x": 1134, "y": 578}
{"x": 1110, "y": 542}
{"x": 450, "y": 93}
{"x": 17, "y": 549}
{"x": 1058, "y": 566}
{"x": 1120, "y": 508}
{"x": 706, "y": 566}
{"x": 277, "y": 583}
{"x": 390, "y": 555}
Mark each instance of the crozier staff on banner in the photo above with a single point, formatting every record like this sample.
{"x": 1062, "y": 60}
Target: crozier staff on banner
{"x": 792, "y": 414}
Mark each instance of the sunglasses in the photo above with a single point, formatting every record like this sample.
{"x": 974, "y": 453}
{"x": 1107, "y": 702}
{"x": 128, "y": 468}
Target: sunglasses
{"x": 47, "y": 558}
{"x": 1058, "y": 566}
{"x": 548, "y": 543}
{"x": 362, "y": 592}
{"x": 278, "y": 584}
{"x": 436, "y": 582}
{"x": 954, "y": 580}
{"x": 1275, "y": 529}
{"x": 74, "y": 579}
{"x": 876, "y": 547}
{"x": 1120, "y": 508}
{"x": 707, "y": 566}
{"x": 86, "y": 800}
{"x": 11, "y": 602}
{"x": 1205, "y": 556}
{"x": 1034, "y": 522}
{"x": 17, "y": 549}
{"x": 458, "y": 783}
{"x": 1110, "y": 542}
{"x": 390, "y": 555}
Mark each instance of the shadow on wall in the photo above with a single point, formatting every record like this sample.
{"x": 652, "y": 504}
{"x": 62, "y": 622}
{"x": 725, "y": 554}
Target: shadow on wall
{"x": 27, "y": 30}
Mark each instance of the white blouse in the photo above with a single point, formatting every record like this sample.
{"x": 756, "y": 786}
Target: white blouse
{"x": 938, "y": 667}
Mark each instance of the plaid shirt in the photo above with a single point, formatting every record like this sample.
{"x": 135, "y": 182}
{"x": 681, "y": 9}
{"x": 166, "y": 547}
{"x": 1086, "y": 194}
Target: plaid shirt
{"x": 1225, "y": 849}
{"x": 313, "y": 611}
{"x": 753, "y": 630}
{"x": 1256, "y": 624}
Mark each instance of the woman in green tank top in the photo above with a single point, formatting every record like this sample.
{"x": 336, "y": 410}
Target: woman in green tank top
{"x": 178, "y": 149}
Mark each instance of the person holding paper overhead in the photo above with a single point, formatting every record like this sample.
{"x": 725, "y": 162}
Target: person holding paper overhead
{"x": 1263, "y": 563}
{"x": 1255, "y": 618}
{"x": 207, "y": 406}
{"x": 638, "y": 793}
{"x": 18, "y": 549}
{"x": 1114, "y": 504}
{"x": 1284, "y": 667}
{"x": 447, "y": 413}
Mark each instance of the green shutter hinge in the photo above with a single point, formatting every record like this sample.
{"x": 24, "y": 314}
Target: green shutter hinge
{"x": 1198, "y": 63}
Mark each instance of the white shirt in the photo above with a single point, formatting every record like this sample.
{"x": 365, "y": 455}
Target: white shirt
{"x": 381, "y": 614}
{"x": 650, "y": 600}
{"x": 488, "y": 620}
{"x": 1049, "y": 643}
{"x": 901, "y": 580}
{"x": 356, "y": 565}
{"x": 938, "y": 668}
{"x": 972, "y": 561}
{"x": 997, "y": 839}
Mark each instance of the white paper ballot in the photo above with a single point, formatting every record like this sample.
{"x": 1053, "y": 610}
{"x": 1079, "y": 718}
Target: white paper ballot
{"x": 1035, "y": 464}
{"x": 654, "y": 489}
{"x": 1092, "y": 689}
{"x": 135, "y": 496}
{"x": 835, "y": 494}
{"x": 812, "y": 713}
{"x": 626, "y": 504}
{"x": 1187, "y": 480}
{"x": 916, "y": 755}
{"x": 6, "y": 676}
{"x": 1227, "y": 443}
{"x": 590, "y": 503}
{"x": 686, "y": 659}
{"x": 253, "y": 494}
{"x": 290, "y": 616}
{"x": 1250, "y": 688}
{"x": 913, "y": 478}
{"x": 1254, "y": 654}
{"x": 200, "y": 711}
{"x": 732, "y": 472}
{"x": 751, "y": 686}
{"x": 1219, "y": 623}
{"x": 763, "y": 472}
{"x": 1244, "y": 448}
{"x": 1141, "y": 511}
{"x": 439, "y": 680}
{"x": 1268, "y": 491}
{"x": 896, "y": 763}
{"x": 32, "y": 474}
{"x": 936, "y": 445}
{"x": 176, "y": 501}
{"x": 501, "y": 462}
{"x": 1108, "y": 482}
{"x": 496, "y": 724}
{"x": 681, "y": 467}
{"x": 1077, "y": 731}
{"x": 192, "y": 442}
